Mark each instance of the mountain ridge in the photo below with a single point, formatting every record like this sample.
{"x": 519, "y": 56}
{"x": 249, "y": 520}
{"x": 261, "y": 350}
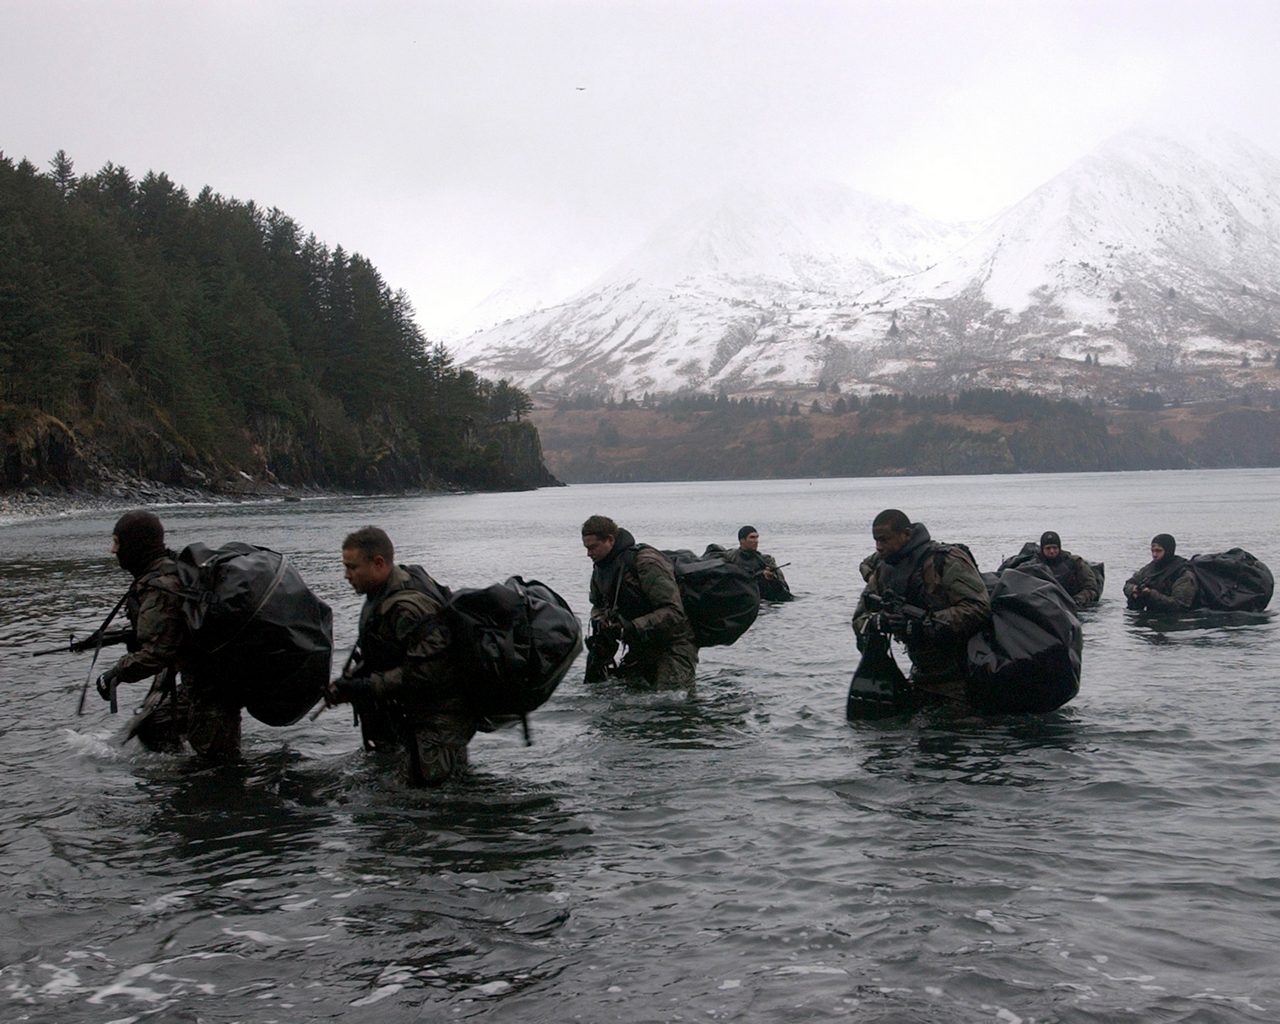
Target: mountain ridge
{"x": 1149, "y": 253}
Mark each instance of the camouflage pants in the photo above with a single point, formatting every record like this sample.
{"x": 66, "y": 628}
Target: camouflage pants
{"x": 671, "y": 669}
{"x": 438, "y": 749}
{"x": 187, "y": 711}
{"x": 938, "y": 689}
{"x": 433, "y": 740}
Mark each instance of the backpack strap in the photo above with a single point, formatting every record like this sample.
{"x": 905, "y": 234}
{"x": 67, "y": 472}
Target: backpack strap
{"x": 941, "y": 550}
{"x": 627, "y": 560}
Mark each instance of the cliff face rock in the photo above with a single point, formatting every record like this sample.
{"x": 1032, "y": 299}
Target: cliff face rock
{"x": 38, "y": 449}
{"x": 127, "y": 452}
{"x": 514, "y": 450}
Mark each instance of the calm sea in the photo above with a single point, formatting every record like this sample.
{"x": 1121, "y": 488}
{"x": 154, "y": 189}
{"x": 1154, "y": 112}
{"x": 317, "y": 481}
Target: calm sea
{"x": 735, "y": 853}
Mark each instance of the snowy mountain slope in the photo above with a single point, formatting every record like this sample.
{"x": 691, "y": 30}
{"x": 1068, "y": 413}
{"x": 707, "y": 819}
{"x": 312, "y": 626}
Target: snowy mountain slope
{"x": 1151, "y": 252}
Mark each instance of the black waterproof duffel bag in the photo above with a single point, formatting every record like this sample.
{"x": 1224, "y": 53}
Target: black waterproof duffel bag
{"x": 1028, "y": 658}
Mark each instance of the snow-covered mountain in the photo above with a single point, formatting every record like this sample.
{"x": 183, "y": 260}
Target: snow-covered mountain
{"x": 1151, "y": 253}
{"x": 689, "y": 307}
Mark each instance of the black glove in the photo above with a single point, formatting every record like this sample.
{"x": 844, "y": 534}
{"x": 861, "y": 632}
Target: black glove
{"x": 627, "y": 630}
{"x": 106, "y": 683}
{"x": 610, "y": 629}
{"x": 895, "y": 623}
{"x": 348, "y": 688}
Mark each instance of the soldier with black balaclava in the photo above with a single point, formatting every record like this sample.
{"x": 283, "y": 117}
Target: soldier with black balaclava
{"x": 1165, "y": 584}
{"x": 180, "y": 705}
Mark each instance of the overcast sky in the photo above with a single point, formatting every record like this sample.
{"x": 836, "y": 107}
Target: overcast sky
{"x": 460, "y": 144}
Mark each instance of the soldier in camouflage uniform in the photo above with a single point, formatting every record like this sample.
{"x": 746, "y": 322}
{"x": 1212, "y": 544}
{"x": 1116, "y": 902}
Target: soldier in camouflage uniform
{"x": 1165, "y": 584}
{"x": 402, "y": 679}
{"x": 182, "y": 703}
{"x": 635, "y": 599}
{"x": 769, "y": 578}
{"x": 939, "y": 580}
{"x": 1073, "y": 573}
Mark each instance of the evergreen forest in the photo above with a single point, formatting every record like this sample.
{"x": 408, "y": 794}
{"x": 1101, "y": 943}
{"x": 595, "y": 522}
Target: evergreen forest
{"x": 203, "y": 340}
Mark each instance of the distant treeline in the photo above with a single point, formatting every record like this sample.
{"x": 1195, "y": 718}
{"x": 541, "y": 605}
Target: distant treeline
{"x": 978, "y": 431}
{"x": 168, "y": 330}
{"x": 1001, "y": 404}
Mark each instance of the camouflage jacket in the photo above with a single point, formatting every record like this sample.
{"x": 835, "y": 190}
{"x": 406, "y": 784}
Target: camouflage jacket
{"x": 404, "y": 645}
{"x": 637, "y": 583}
{"x": 154, "y": 609}
{"x": 1075, "y": 575}
{"x": 1172, "y": 584}
{"x": 942, "y": 581}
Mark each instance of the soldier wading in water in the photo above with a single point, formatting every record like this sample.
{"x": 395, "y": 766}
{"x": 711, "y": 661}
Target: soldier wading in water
{"x": 928, "y": 595}
{"x": 403, "y": 679}
{"x": 635, "y": 601}
{"x": 183, "y": 704}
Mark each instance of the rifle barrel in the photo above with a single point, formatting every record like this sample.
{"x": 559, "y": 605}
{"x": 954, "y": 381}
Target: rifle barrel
{"x": 65, "y": 648}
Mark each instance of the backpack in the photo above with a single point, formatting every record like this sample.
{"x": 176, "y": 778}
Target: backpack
{"x": 721, "y": 599}
{"x": 256, "y": 628}
{"x": 1028, "y": 658}
{"x": 1029, "y": 551}
{"x": 775, "y": 590}
{"x": 516, "y": 640}
{"x": 1232, "y": 581}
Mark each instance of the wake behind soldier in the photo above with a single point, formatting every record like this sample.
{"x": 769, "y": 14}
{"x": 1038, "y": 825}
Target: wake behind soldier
{"x": 182, "y": 704}
{"x": 928, "y": 595}
{"x": 635, "y": 601}
{"x": 401, "y": 679}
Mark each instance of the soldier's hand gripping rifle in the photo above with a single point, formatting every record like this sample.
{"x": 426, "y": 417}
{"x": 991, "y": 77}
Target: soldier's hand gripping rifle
{"x": 602, "y": 648}
{"x": 98, "y": 638}
{"x": 95, "y": 641}
{"x": 894, "y": 617}
{"x": 770, "y": 568}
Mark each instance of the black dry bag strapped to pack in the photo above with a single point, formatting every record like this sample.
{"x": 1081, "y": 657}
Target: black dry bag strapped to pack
{"x": 1028, "y": 658}
{"x": 515, "y": 640}
{"x": 1028, "y": 553}
{"x": 255, "y": 629}
{"x": 720, "y": 598}
{"x": 1232, "y": 581}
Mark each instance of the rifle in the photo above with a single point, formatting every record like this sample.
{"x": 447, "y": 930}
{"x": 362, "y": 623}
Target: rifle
{"x": 770, "y": 568}
{"x": 324, "y": 701}
{"x": 602, "y": 647}
{"x": 98, "y": 638}
{"x": 95, "y": 641}
{"x": 889, "y": 603}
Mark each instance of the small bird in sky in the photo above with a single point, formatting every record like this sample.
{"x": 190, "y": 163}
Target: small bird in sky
{"x": 581, "y": 88}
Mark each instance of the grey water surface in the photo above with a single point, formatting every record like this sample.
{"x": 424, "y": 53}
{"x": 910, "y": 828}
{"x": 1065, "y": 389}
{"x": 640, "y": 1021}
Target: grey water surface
{"x": 738, "y": 852}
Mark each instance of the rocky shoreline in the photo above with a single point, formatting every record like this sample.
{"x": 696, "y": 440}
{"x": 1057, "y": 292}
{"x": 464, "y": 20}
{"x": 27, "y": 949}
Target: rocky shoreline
{"x": 48, "y": 503}
{"x": 120, "y": 494}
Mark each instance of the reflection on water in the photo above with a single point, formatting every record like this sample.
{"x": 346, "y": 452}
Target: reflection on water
{"x": 1224, "y": 627}
{"x": 737, "y": 851}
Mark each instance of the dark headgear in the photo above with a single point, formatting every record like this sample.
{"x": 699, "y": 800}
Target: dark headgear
{"x": 746, "y": 531}
{"x": 1049, "y": 537}
{"x": 1166, "y": 541}
{"x": 140, "y": 540}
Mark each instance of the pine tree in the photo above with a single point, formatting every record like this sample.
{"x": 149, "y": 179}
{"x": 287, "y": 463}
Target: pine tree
{"x": 63, "y": 173}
